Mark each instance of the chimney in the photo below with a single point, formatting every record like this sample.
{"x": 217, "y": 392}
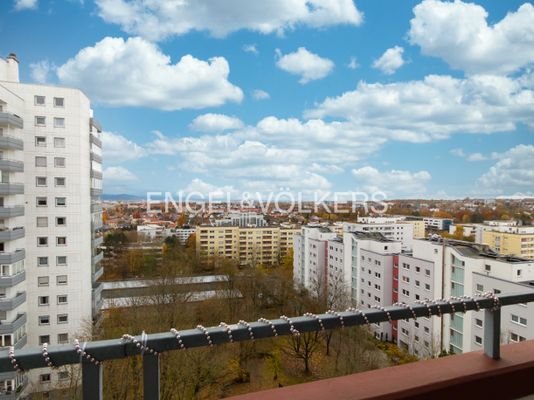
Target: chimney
{"x": 9, "y": 68}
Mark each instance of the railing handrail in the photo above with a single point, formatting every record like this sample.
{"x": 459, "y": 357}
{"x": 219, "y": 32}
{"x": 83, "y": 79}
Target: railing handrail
{"x": 30, "y": 358}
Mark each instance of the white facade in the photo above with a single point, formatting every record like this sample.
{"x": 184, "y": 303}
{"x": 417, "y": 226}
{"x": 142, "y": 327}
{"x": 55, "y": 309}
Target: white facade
{"x": 401, "y": 232}
{"x": 440, "y": 224}
{"x": 50, "y": 131}
{"x": 243, "y": 220}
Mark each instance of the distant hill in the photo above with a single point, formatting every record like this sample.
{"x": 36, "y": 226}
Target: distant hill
{"x": 121, "y": 197}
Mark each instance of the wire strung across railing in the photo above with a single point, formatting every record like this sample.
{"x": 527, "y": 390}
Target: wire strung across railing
{"x": 92, "y": 354}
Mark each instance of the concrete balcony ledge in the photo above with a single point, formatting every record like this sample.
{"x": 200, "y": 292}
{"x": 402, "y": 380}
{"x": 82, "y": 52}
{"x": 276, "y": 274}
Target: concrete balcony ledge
{"x": 11, "y": 165}
{"x": 11, "y": 143}
{"x": 12, "y": 303}
{"x": 96, "y": 174}
{"x": 96, "y": 157}
{"x": 93, "y": 139}
{"x": 12, "y": 280}
{"x": 11, "y": 327}
{"x": 11, "y": 234}
{"x": 98, "y": 241}
{"x": 97, "y": 258}
{"x": 7, "y": 212}
{"x": 11, "y": 120}
{"x": 96, "y": 208}
{"x": 98, "y": 272}
{"x": 11, "y": 188}
{"x": 94, "y": 123}
{"x": 12, "y": 257}
{"x": 465, "y": 376}
{"x": 96, "y": 192}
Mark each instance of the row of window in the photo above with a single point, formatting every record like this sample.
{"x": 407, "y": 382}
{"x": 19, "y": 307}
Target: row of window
{"x": 45, "y": 378}
{"x": 42, "y": 181}
{"x": 40, "y": 120}
{"x": 40, "y": 141}
{"x": 45, "y": 300}
{"x": 42, "y": 222}
{"x": 61, "y": 319}
{"x": 62, "y": 338}
{"x": 43, "y": 202}
{"x": 59, "y": 162}
{"x": 60, "y": 261}
{"x": 42, "y": 241}
{"x": 45, "y": 280}
{"x": 41, "y": 101}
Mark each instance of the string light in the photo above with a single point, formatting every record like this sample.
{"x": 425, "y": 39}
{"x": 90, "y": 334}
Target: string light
{"x": 496, "y": 300}
{"x": 178, "y": 338}
{"x": 142, "y": 347}
{"x": 359, "y": 312}
{"x": 225, "y": 326}
{"x": 46, "y": 356}
{"x": 249, "y": 328}
{"x": 14, "y": 361}
{"x": 404, "y": 305}
{"x": 206, "y": 333}
{"x": 292, "y": 329}
{"x": 462, "y": 300}
{"x": 266, "y": 321}
{"x": 477, "y": 305}
{"x": 339, "y": 316}
{"x": 83, "y": 354}
{"x": 319, "y": 320}
{"x": 425, "y": 303}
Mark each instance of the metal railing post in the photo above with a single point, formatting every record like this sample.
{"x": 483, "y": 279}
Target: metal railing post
{"x": 91, "y": 381}
{"x": 151, "y": 380}
{"x": 492, "y": 333}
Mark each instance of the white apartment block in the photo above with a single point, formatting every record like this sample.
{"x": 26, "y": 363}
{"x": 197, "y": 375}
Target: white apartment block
{"x": 50, "y": 214}
{"x": 337, "y": 280}
{"x": 440, "y": 224}
{"x": 243, "y": 220}
{"x": 397, "y": 231}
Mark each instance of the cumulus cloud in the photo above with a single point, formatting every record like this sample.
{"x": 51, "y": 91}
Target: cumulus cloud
{"x": 259, "y": 94}
{"x": 118, "y": 174}
{"x": 390, "y": 61}
{"x": 207, "y": 189}
{"x": 134, "y": 72}
{"x": 215, "y": 123}
{"x": 307, "y": 65}
{"x": 459, "y": 33}
{"x": 513, "y": 172}
{"x": 469, "y": 157}
{"x": 41, "y": 70}
{"x": 25, "y": 5}
{"x": 117, "y": 148}
{"x": 392, "y": 182}
{"x": 250, "y": 48}
{"x": 158, "y": 20}
{"x": 433, "y": 108}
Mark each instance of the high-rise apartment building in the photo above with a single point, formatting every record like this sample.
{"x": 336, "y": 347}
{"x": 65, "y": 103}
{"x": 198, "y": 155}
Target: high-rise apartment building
{"x": 50, "y": 217}
{"x": 391, "y": 229}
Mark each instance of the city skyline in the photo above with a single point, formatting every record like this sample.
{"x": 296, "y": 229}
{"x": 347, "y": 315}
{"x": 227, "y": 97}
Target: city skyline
{"x": 298, "y": 95}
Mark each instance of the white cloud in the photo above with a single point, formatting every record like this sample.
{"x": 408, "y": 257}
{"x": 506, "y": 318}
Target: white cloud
{"x": 25, "y": 5}
{"x": 469, "y": 157}
{"x": 307, "y": 65}
{"x": 459, "y": 33}
{"x": 458, "y": 152}
{"x": 250, "y": 48}
{"x": 207, "y": 189}
{"x": 476, "y": 157}
{"x": 41, "y": 70}
{"x": 259, "y": 94}
{"x": 353, "y": 63}
{"x": 136, "y": 73}
{"x": 392, "y": 182}
{"x": 433, "y": 108}
{"x": 326, "y": 168}
{"x": 118, "y": 174}
{"x": 390, "y": 61}
{"x": 513, "y": 173}
{"x": 158, "y": 20}
{"x": 215, "y": 123}
{"x": 117, "y": 148}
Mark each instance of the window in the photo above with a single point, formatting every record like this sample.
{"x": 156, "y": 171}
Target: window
{"x": 62, "y": 338}
{"x": 478, "y": 340}
{"x": 40, "y": 121}
{"x": 41, "y": 201}
{"x": 44, "y": 319}
{"x": 44, "y": 377}
{"x": 59, "y": 122}
{"x": 61, "y": 221}
{"x": 405, "y": 292}
{"x": 61, "y": 241}
{"x": 478, "y": 322}
{"x": 61, "y": 375}
{"x": 405, "y": 279}
{"x": 59, "y": 162}
{"x": 40, "y": 161}
{"x": 417, "y": 297}
{"x": 43, "y": 300}
{"x": 39, "y": 100}
{"x": 487, "y": 267}
{"x": 62, "y": 299}
{"x": 59, "y": 102}
{"x": 516, "y": 338}
{"x": 61, "y": 279}
{"x": 62, "y": 318}
{"x": 59, "y": 142}
{"x": 417, "y": 283}
{"x": 59, "y": 181}
{"x": 61, "y": 260}
{"x": 42, "y": 261}
{"x": 416, "y": 324}
{"x": 42, "y": 280}
{"x": 427, "y": 272}
{"x": 426, "y": 329}
{"x": 496, "y": 291}
{"x": 42, "y": 222}
{"x": 42, "y": 241}
{"x": 61, "y": 201}
{"x": 417, "y": 269}
{"x": 519, "y": 320}
{"x": 427, "y": 286}
{"x": 518, "y": 272}
{"x": 40, "y": 141}
{"x": 40, "y": 180}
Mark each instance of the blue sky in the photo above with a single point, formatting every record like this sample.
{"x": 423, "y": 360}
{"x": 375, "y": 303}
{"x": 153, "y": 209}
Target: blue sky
{"x": 413, "y": 98}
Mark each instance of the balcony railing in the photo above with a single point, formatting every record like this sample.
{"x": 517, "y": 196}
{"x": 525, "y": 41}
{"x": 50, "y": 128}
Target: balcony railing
{"x": 11, "y": 143}
{"x": 11, "y": 165}
{"x": 150, "y": 346}
{"x": 13, "y": 302}
{"x": 12, "y": 257}
{"x": 12, "y": 280}
{"x": 15, "y": 211}
{"x": 11, "y": 188}
{"x": 11, "y": 234}
{"x": 11, "y": 120}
